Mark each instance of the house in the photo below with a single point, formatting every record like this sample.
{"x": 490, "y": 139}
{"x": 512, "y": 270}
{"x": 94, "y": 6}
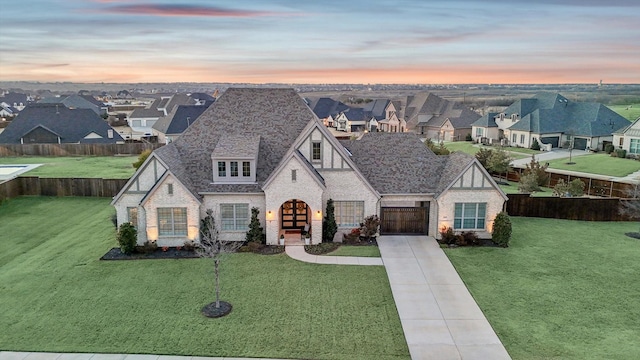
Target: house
{"x": 7, "y": 111}
{"x": 202, "y": 98}
{"x": 15, "y": 100}
{"x": 167, "y": 128}
{"x": 265, "y": 148}
{"x": 551, "y": 119}
{"x": 142, "y": 120}
{"x": 355, "y": 120}
{"x": 57, "y": 124}
{"x": 393, "y": 121}
{"x": 78, "y": 102}
{"x": 628, "y": 138}
{"x": 326, "y": 109}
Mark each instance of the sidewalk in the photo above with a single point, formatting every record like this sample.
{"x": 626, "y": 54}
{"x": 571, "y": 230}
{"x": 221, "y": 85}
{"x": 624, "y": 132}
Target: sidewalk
{"x": 297, "y": 252}
{"x": 440, "y": 318}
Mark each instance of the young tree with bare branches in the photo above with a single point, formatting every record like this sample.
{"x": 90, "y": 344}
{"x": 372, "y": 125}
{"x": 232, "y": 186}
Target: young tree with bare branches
{"x": 212, "y": 247}
{"x": 630, "y": 205}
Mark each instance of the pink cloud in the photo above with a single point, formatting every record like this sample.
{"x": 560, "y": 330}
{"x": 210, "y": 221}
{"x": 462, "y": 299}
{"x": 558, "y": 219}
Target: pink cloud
{"x": 182, "y": 10}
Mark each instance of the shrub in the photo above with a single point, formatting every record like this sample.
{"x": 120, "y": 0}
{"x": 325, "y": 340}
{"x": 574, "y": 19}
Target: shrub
{"x": 468, "y": 137}
{"x": 255, "y": 233}
{"x": 471, "y": 238}
{"x": 535, "y": 145}
{"x": 539, "y": 171}
{"x": 528, "y": 183}
{"x": 571, "y": 189}
{"x": 501, "y": 234}
{"x": 189, "y": 245}
{"x": 608, "y": 148}
{"x": 447, "y": 236}
{"x": 141, "y": 158}
{"x": 369, "y": 228}
{"x": 439, "y": 149}
{"x": 621, "y": 153}
{"x": 147, "y": 247}
{"x": 127, "y": 237}
{"x": 329, "y": 225}
{"x": 483, "y": 157}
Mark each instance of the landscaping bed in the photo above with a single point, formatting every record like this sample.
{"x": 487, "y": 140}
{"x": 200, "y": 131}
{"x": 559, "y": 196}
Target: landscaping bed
{"x": 170, "y": 253}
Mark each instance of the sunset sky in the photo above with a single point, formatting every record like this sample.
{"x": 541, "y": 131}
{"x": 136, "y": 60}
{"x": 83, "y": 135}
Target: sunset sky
{"x": 322, "y": 41}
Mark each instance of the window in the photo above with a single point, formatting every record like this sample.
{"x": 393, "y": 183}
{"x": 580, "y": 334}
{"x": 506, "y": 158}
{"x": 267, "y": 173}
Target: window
{"x": 172, "y": 221}
{"x": 478, "y": 132}
{"x": 233, "y": 168}
{"x": 246, "y": 168}
{"x": 469, "y": 215}
{"x": 514, "y": 137}
{"x": 315, "y": 150}
{"x": 522, "y": 139}
{"x": 222, "y": 169}
{"x": 634, "y": 146}
{"x": 136, "y": 123}
{"x": 132, "y": 216}
{"x": 234, "y": 216}
{"x": 349, "y": 213}
{"x": 294, "y": 175}
{"x": 170, "y": 189}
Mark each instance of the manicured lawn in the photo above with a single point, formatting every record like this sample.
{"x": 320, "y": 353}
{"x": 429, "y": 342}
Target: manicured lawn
{"x": 57, "y": 296}
{"x": 364, "y": 251}
{"x": 631, "y": 112}
{"x": 562, "y": 290}
{"x": 106, "y": 167}
{"x": 512, "y": 188}
{"x": 472, "y": 149}
{"x": 601, "y": 164}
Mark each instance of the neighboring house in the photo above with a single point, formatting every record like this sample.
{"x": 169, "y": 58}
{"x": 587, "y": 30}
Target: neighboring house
{"x": 141, "y": 121}
{"x": 443, "y": 120}
{"x": 355, "y": 120}
{"x": 167, "y": 128}
{"x": 377, "y": 110}
{"x": 393, "y": 121}
{"x": 7, "y": 111}
{"x": 57, "y": 124}
{"x": 552, "y": 119}
{"x": 326, "y": 109}
{"x": 78, "y": 102}
{"x": 202, "y": 98}
{"x": 265, "y": 148}
{"x": 628, "y": 138}
{"x": 16, "y": 100}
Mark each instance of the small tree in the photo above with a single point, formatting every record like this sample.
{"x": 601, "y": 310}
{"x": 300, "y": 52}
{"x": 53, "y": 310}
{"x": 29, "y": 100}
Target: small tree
{"x": 630, "y": 206}
{"x": 329, "y": 226}
{"x": 369, "y": 227}
{"x": 483, "y": 156}
{"x": 501, "y": 233}
{"x": 499, "y": 162}
{"x": 539, "y": 171}
{"x": 212, "y": 247}
{"x": 535, "y": 145}
{"x": 127, "y": 237}
{"x": 572, "y": 189}
{"x": 255, "y": 232}
{"x": 528, "y": 183}
{"x": 141, "y": 158}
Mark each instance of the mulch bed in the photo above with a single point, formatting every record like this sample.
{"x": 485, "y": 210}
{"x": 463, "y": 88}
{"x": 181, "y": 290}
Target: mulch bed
{"x": 171, "y": 253}
{"x": 483, "y": 243}
{"x": 211, "y": 311}
{"x": 360, "y": 241}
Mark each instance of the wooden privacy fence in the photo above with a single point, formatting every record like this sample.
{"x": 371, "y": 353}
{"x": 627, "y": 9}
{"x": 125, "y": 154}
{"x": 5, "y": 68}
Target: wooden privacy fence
{"x": 588, "y": 209}
{"x": 60, "y": 187}
{"x": 75, "y": 149}
{"x": 593, "y": 186}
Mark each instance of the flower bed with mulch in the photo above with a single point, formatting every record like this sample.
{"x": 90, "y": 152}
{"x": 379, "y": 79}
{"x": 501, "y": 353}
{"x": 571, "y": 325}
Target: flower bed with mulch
{"x": 159, "y": 253}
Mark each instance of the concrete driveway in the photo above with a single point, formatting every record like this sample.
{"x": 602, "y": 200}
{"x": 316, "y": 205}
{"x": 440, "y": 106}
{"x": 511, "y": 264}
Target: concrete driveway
{"x": 440, "y": 318}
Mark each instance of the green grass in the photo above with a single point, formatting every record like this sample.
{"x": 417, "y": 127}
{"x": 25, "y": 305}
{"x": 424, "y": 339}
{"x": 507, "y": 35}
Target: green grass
{"x": 512, "y": 188}
{"x": 601, "y": 164}
{"x": 562, "y": 290}
{"x": 363, "y": 251}
{"x": 57, "y": 296}
{"x": 472, "y": 149}
{"x": 106, "y": 167}
{"x": 630, "y": 112}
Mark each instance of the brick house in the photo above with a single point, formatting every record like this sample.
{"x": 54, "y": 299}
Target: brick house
{"x": 265, "y": 148}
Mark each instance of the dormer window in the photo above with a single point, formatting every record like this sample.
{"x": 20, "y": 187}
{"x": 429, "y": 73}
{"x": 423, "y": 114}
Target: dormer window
{"x": 234, "y": 159}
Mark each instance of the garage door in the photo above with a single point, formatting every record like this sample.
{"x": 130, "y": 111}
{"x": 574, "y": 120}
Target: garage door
{"x": 404, "y": 220}
{"x": 553, "y": 140}
{"x": 580, "y": 143}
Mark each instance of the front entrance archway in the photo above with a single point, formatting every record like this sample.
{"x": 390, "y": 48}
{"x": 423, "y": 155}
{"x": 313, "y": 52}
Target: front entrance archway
{"x": 296, "y": 215}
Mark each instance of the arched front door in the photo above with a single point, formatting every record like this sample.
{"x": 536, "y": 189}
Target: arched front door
{"x": 296, "y": 215}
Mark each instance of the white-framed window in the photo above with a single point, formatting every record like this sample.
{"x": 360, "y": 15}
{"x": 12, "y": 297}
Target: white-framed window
{"x": 172, "y": 221}
{"x": 136, "y": 123}
{"x": 246, "y": 168}
{"x": 634, "y": 146}
{"x": 170, "y": 189}
{"x": 294, "y": 175}
{"x": 514, "y": 137}
{"x": 132, "y": 216}
{"x": 521, "y": 138}
{"x": 233, "y": 168}
{"x": 479, "y": 132}
{"x": 349, "y": 213}
{"x": 222, "y": 169}
{"x": 469, "y": 216}
{"x": 316, "y": 151}
{"x": 234, "y": 217}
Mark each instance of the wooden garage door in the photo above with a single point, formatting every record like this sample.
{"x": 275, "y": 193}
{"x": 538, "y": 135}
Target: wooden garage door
{"x": 404, "y": 220}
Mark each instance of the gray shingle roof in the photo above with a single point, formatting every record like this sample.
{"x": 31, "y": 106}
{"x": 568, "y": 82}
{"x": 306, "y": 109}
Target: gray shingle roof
{"x": 72, "y": 125}
{"x": 237, "y": 146}
{"x": 324, "y": 107}
{"x": 487, "y": 120}
{"x": 399, "y": 163}
{"x": 179, "y": 119}
{"x": 377, "y": 108}
{"x": 277, "y": 116}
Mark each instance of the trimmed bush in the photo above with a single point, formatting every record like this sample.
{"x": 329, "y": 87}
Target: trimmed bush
{"x": 255, "y": 232}
{"x": 468, "y": 137}
{"x": 329, "y": 225}
{"x": 621, "y": 153}
{"x": 127, "y": 238}
{"x": 528, "y": 184}
{"x": 447, "y": 236}
{"x": 535, "y": 145}
{"x": 608, "y": 148}
{"x": 141, "y": 158}
{"x": 501, "y": 234}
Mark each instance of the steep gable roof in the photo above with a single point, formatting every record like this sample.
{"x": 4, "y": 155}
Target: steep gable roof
{"x": 486, "y": 120}
{"x": 179, "y": 119}
{"x": 377, "y": 108}
{"x": 324, "y": 107}
{"x": 72, "y": 125}
{"x": 276, "y": 116}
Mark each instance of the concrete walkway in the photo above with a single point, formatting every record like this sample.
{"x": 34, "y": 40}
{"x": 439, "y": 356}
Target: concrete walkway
{"x": 549, "y": 155}
{"x": 297, "y": 252}
{"x": 9, "y": 355}
{"x": 440, "y": 318}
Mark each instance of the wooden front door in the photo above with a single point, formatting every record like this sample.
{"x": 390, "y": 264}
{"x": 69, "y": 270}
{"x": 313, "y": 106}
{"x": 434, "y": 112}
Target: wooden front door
{"x": 294, "y": 214}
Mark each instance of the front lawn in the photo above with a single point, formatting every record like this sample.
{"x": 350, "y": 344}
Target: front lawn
{"x": 106, "y": 167}
{"x": 631, "y": 112}
{"x": 351, "y": 250}
{"x": 471, "y": 149}
{"x": 562, "y": 290}
{"x": 600, "y": 163}
{"x": 512, "y": 188}
{"x": 57, "y": 296}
